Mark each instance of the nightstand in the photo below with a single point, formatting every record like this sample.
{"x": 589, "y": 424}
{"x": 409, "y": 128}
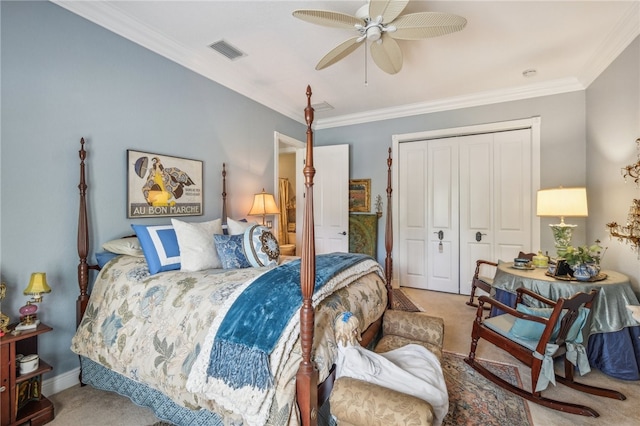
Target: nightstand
{"x": 21, "y": 399}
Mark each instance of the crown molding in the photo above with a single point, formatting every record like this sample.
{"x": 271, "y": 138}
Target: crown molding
{"x": 613, "y": 45}
{"x": 483, "y": 98}
{"x": 113, "y": 19}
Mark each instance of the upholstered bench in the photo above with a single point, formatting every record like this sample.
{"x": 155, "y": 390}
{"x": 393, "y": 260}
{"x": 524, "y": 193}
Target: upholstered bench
{"x": 356, "y": 402}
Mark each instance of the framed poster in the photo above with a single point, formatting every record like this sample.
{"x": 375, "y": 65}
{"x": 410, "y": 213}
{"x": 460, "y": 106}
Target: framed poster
{"x": 360, "y": 195}
{"x": 161, "y": 185}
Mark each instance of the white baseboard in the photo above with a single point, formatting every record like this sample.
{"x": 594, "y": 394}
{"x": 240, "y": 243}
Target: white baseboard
{"x": 61, "y": 382}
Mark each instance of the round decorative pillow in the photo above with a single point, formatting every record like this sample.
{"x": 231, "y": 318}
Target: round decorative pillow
{"x": 260, "y": 246}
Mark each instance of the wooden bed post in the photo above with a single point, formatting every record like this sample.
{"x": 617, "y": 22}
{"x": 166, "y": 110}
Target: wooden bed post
{"x": 83, "y": 241}
{"x": 388, "y": 238}
{"x": 307, "y": 376}
{"x": 224, "y": 198}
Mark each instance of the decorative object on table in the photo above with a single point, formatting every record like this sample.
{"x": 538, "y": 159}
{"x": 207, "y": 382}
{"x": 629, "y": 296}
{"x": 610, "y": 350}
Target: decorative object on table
{"x": 363, "y": 234}
{"x": 562, "y": 202}
{"x": 360, "y": 195}
{"x": 161, "y": 185}
{"x": 264, "y": 204}
{"x": 522, "y": 263}
{"x": 584, "y": 261}
{"x": 4, "y": 319}
{"x": 540, "y": 260}
{"x": 37, "y": 287}
{"x": 631, "y": 231}
{"x": 379, "y": 205}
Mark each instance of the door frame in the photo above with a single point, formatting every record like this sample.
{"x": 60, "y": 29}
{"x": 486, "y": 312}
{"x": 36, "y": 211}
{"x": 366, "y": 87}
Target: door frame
{"x": 284, "y": 143}
{"x": 532, "y": 123}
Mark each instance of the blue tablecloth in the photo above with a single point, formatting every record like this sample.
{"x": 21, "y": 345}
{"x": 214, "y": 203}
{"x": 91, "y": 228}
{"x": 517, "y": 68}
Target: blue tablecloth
{"x": 614, "y": 336}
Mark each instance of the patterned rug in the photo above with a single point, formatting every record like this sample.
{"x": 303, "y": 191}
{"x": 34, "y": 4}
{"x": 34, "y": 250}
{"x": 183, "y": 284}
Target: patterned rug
{"x": 402, "y": 302}
{"x": 475, "y": 401}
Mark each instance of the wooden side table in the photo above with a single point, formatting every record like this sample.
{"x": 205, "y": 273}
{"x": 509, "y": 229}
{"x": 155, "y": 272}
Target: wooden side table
{"x": 21, "y": 399}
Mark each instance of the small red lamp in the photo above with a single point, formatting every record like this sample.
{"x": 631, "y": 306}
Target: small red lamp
{"x": 36, "y": 288}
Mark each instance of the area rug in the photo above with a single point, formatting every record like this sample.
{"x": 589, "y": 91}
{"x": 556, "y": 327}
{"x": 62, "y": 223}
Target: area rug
{"x": 402, "y": 302}
{"x": 475, "y": 401}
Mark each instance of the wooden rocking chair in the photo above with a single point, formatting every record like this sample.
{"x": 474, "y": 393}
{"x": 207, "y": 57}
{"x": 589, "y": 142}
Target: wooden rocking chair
{"x": 535, "y": 336}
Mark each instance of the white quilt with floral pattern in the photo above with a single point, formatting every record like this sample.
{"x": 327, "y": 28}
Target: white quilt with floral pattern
{"x": 151, "y": 328}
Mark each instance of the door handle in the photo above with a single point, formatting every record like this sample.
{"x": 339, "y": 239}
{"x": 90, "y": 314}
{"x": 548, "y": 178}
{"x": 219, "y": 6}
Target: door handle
{"x": 479, "y": 236}
{"x": 440, "y": 234}
{"x": 342, "y": 233}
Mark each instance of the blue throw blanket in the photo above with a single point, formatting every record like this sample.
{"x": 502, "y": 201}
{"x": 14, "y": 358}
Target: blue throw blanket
{"x": 250, "y": 330}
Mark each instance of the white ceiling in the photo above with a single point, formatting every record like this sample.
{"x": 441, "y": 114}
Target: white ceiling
{"x": 569, "y": 43}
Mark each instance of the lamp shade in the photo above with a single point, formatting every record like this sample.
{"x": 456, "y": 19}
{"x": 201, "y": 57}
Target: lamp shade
{"x": 561, "y": 202}
{"x": 37, "y": 284}
{"x": 263, "y": 204}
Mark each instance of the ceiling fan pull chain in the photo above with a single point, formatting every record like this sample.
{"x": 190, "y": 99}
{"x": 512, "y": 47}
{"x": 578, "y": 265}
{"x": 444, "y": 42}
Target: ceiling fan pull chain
{"x": 366, "y": 76}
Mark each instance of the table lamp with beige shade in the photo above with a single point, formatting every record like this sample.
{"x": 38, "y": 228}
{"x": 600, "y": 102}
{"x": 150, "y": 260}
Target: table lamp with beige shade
{"x": 264, "y": 204}
{"x": 562, "y": 202}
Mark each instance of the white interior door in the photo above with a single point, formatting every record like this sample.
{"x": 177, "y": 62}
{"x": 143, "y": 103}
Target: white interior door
{"x": 495, "y": 199}
{"x": 330, "y": 197}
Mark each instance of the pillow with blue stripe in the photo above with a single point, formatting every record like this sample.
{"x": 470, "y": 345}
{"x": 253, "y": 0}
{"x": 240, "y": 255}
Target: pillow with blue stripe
{"x": 160, "y": 247}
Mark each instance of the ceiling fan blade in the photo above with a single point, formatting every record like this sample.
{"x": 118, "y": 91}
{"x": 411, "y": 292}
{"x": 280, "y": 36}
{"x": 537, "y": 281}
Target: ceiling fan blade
{"x": 388, "y": 9}
{"x": 328, "y": 18}
{"x": 338, "y": 53}
{"x": 416, "y": 26}
{"x": 387, "y": 55}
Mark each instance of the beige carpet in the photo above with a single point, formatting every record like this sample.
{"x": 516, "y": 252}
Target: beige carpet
{"x": 90, "y": 407}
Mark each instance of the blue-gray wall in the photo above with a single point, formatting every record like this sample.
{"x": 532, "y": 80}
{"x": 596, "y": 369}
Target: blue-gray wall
{"x": 64, "y": 78}
{"x": 613, "y": 125}
{"x": 562, "y": 145}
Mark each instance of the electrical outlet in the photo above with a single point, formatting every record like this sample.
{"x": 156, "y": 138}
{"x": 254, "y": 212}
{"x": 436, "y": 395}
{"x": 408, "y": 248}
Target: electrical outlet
{"x": 269, "y": 224}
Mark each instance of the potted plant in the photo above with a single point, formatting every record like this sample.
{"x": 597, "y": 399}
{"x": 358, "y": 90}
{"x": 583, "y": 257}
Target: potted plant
{"x": 583, "y": 260}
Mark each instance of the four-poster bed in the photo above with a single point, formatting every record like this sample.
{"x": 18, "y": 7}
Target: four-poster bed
{"x": 105, "y": 321}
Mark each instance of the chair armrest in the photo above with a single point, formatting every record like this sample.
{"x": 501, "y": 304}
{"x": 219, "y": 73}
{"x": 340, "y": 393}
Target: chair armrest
{"x": 414, "y": 325}
{"x": 357, "y": 402}
{"x": 522, "y": 291}
{"x": 507, "y": 309}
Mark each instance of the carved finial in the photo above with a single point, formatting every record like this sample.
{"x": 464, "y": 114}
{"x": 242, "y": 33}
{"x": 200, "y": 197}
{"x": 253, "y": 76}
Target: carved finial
{"x": 308, "y": 111}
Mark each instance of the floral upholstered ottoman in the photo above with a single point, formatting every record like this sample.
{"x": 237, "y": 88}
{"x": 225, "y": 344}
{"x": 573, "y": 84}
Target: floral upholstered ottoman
{"x": 358, "y": 402}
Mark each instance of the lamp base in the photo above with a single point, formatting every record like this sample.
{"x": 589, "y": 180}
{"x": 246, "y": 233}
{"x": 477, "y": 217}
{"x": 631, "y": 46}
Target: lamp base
{"x": 562, "y": 234}
{"x": 28, "y": 326}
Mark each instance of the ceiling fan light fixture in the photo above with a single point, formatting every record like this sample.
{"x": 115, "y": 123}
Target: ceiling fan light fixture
{"x": 388, "y": 25}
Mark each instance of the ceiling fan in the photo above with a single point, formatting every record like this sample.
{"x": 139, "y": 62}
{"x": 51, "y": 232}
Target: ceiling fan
{"x": 380, "y": 22}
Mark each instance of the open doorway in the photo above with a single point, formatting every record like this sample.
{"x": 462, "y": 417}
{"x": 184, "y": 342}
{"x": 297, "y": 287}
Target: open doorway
{"x": 286, "y": 187}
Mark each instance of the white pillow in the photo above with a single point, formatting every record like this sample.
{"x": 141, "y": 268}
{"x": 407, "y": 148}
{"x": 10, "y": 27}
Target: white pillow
{"x": 129, "y": 245}
{"x": 236, "y": 227}
{"x": 197, "y": 249}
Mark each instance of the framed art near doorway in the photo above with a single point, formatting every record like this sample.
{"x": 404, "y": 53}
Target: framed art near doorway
{"x": 360, "y": 195}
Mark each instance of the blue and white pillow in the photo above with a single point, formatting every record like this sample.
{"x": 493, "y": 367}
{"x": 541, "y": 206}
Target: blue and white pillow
{"x": 261, "y": 246}
{"x": 230, "y": 250}
{"x": 160, "y": 247}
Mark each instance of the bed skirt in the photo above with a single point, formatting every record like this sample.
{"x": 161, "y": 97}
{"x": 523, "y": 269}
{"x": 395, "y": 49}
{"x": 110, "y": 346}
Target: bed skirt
{"x": 163, "y": 407}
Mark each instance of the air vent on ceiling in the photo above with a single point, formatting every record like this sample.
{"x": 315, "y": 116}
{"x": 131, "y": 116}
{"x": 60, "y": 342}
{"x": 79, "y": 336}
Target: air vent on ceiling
{"x": 323, "y": 106}
{"x": 227, "y": 50}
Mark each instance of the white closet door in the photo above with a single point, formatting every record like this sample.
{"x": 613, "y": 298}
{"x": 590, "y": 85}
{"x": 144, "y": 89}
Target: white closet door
{"x": 412, "y": 198}
{"x": 495, "y": 199}
{"x": 462, "y": 199}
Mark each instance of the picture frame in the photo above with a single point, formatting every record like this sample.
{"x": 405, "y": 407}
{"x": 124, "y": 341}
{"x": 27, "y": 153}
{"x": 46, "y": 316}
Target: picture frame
{"x": 163, "y": 185}
{"x": 360, "y": 195}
